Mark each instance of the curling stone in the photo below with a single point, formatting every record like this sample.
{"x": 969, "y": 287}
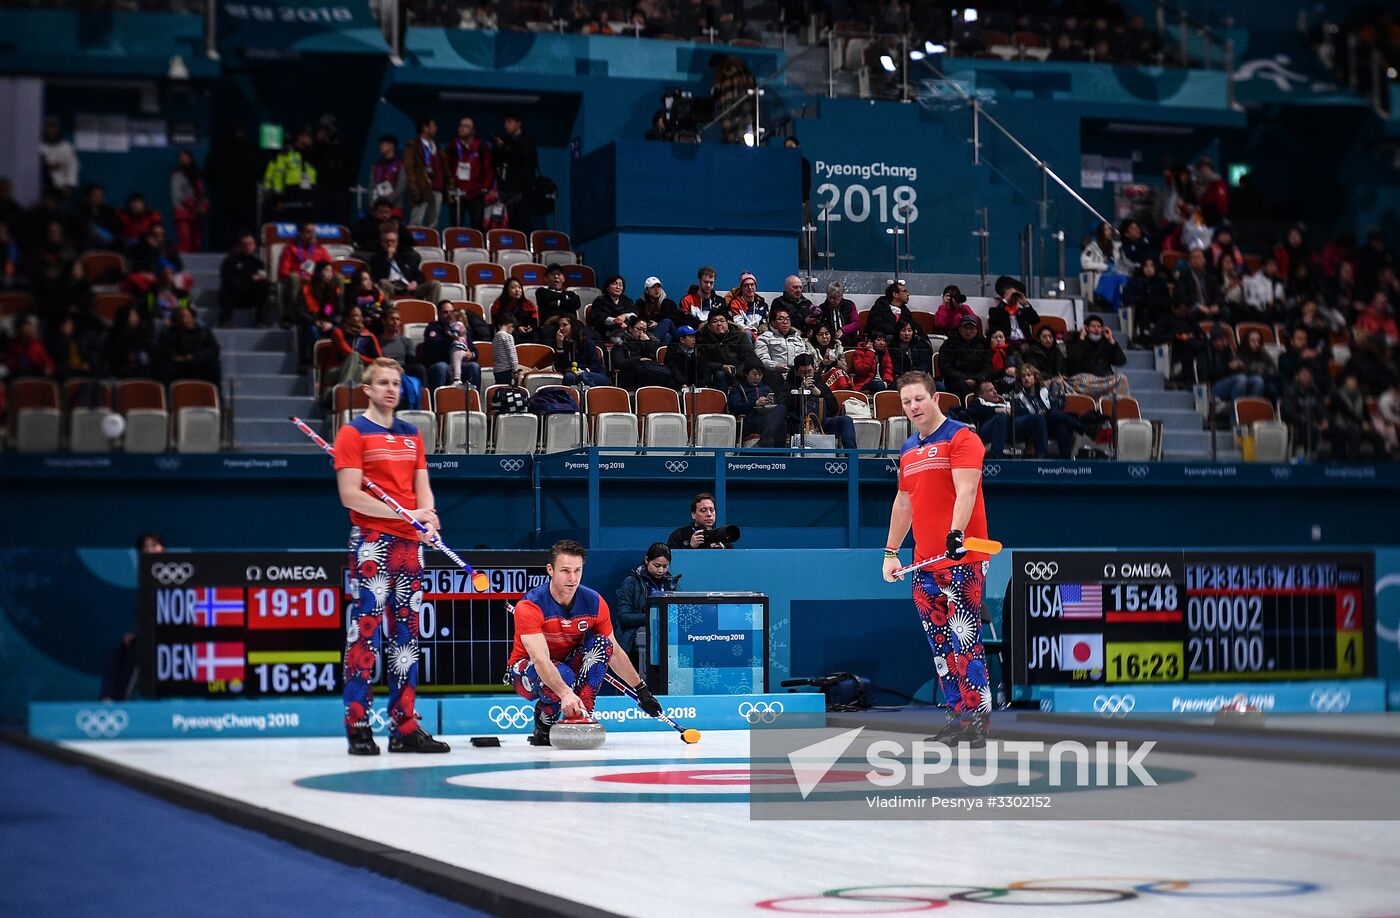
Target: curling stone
{"x": 577, "y": 733}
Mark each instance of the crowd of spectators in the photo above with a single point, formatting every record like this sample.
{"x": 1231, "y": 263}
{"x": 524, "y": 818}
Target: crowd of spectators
{"x": 148, "y": 326}
{"x": 1310, "y": 327}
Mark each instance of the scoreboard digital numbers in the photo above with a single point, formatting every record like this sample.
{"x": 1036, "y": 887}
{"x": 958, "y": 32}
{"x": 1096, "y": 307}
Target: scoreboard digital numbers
{"x": 1105, "y": 618}
{"x": 217, "y": 624}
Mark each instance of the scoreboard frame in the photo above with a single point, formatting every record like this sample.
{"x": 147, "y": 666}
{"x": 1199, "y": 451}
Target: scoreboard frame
{"x": 1187, "y": 617}
{"x": 273, "y": 624}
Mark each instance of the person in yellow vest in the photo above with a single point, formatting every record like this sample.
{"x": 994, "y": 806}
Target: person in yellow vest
{"x": 291, "y": 178}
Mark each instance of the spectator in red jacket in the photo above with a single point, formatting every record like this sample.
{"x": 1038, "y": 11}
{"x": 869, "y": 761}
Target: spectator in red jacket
{"x": 1212, "y": 194}
{"x": 951, "y": 311}
{"x": 1377, "y": 318}
{"x": 297, "y": 266}
{"x": 871, "y": 367}
{"x": 136, "y": 220}
{"x": 470, "y": 171}
{"x": 27, "y": 355}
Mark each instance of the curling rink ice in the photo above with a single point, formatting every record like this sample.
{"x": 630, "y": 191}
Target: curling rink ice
{"x": 648, "y": 826}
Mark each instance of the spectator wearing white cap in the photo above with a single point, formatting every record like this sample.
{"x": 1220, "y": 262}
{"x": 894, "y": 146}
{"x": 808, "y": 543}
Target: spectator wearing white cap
{"x": 661, "y": 314}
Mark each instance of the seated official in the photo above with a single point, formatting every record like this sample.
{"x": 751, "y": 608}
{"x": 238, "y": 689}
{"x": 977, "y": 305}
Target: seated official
{"x": 702, "y": 531}
{"x": 650, "y": 577}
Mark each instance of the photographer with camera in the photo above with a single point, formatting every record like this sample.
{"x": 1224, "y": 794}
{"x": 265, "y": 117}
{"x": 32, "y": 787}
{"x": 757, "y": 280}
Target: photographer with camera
{"x": 702, "y": 531}
{"x": 652, "y": 576}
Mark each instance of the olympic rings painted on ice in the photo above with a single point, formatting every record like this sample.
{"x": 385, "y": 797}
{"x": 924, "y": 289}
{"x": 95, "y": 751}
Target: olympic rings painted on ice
{"x": 1041, "y": 570}
{"x": 900, "y": 898}
{"x": 511, "y": 715}
{"x": 101, "y": 722}
{"x": 172, "y": 573}
{"x": 760, "y": 712}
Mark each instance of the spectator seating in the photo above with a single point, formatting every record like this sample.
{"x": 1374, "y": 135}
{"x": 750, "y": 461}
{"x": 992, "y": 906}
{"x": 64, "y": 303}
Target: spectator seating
{"x": 424, "y": 237}
{"x": 663, "y": 423}
{"x": 1249, "y": 409}
{"x": 1126, "y": 407}
{"x": 1271, "y": 441}
{"x": 889, "y": 412}
{"x": 516, "y": 433}
{"x": 347, "y": 403}
{"x": 535, "y": 356}
{"x": 276, "y": 236}
{"x": 1079, "y": 404}
{"x": 609, "y": 409}
{"x": 502, "y": 240}
{"x": 448, "y": 275}
{"x": 466, "y": 256}
{"x": 565, "y": 430}
{"x": 37, "y": 420}
{"x": 16, "y": 303}
{"x": 1057, "y": 324}
{"x": 412, "y": 311}
{"x": 142, "y": 403}
{"x": 325, "y": 361}
{"x": 346, "y": 267}
{"x": 947, "y": 402}
{"x": 103, "y": 270}
{"x": 481, "y": 276}
{"x": 925, "y": 321}
{"x": 107, "y": 305}
{"x": 511, "y": 257}
{"x": 468, "y": 306}
{"x": 868, "y": 430}
{"x": 88, "y": 401}
{"x": 529, "y": 274}
{"x": 1208, "y": 327}
{"x": 459, "y": 414}
{"x": 463, "y": 237}
{"x": 586, "y": 296}
{"x": 580, "y": 276}
{"x": 1265, "y": 330}
{"x": 549, "y": 241}
{"x": 1135, "y": 440}
{"x": 195, "y": 406}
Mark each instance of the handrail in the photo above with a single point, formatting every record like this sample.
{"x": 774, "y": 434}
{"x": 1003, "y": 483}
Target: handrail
{"x": 758, "y": 87}
{"x": 979, "y": 112}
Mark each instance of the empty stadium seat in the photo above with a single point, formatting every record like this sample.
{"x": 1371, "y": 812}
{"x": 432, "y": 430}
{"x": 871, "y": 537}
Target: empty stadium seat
{"x": 142, "y": 402}
{"x": 579, "y": 276}
{"x": 85, "y": 430}
{"x": 194, "y": 403}
{"x": 534, "y": 382}
{"x": 444, "y": 272}
{"x": 1125, "y": 407}
{"x": 897, "y": 430}
{"x": 716, "y": 431}
{"x": 1271, "y": 441}
{"x": 467, "y": 256}
{"x": 549, "y": 241}
{"x": 1134, "y": 440}
{"x": 530, "y": 274}
{"x": 424, "y": 237}
{"x": 516, "y": 433}
{"x": 463, "y": 237}
{"x": 512, "y": 257}
{"x": 665, "y": 429}
{"x": 503, "y": 240}
{"x": 416, "y": 311}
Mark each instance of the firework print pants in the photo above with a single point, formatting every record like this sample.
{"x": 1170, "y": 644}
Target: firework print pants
{"x": 582, "y": 669}
{"x": 386, "y": 581}
{"x": 949, "y": 601}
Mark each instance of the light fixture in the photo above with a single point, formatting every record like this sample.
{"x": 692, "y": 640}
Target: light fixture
{"x": 748, "y": 137}
{"x": 931, "y": 48}
{"x": 1390, "y": 72}
{"x": 887, "y": 62}
{"x": 177, "y": 70}
{"x": 969, "y": 15}
{"x": 916, "y": 55}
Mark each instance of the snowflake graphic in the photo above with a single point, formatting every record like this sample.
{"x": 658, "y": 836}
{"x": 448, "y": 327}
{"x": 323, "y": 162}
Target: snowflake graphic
{"x": 594, "y": 655}
{"x": 736, "y": 649}
{"x": 401, "y": 659}
{"x": 688, "y": 616}
{"x": 706, "y": 677}
{"x": 370, "y": 551}
{"x": 378, "y": 586}
{"x": 965, "y": 627}
{"x": 739, "y": 686}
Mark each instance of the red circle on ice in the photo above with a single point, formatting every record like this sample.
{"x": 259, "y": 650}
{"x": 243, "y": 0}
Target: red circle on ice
{"x": 712, "y": 777}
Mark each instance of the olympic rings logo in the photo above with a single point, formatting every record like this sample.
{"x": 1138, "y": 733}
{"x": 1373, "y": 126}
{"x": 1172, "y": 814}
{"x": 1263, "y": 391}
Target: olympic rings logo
{"x": 377, "y": 720}
{"x": 1114, "y": 705}
{"x": 760, "y": 712}
{"x": 1329, "y": 701}
{"x": 836, "y": 468}
{"x": 1137, "y": 471}
{"x": 168, "y": 463}
{"x": 991, "y": 470}
{"x": 511, "y": 715}
{"x": 898, "y": 898}
{"x": 512, "y": 465}
{"x": 101, "y": 722}
{"x": 171, "y": 573}
{"x": 1041, "y": 570}
{"x": 675, "y": 466}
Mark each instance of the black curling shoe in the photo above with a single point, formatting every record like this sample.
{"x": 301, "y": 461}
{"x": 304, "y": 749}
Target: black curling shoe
{"x": 362, "y": 741}
{"x": 417, "y": 741}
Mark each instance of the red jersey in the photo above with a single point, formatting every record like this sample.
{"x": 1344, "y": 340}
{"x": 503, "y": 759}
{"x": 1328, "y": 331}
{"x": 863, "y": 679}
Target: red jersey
{"x": 388, "y": 456}
{"x": 301, "y": 259}
{"x": 563, "y": 629}
{"x": 926, "y": 474}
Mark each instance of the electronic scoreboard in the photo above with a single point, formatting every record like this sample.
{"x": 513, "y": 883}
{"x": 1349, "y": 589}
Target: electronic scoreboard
{"x": 1100, "y": 617}
{"x": 260, "y": 624}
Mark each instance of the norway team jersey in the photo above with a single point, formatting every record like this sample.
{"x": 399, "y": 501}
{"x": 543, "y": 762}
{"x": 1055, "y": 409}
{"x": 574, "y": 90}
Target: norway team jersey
{"x": 563, "y": 630}
{"x": 391, "y": 458}
{"x": 926, "y": 474}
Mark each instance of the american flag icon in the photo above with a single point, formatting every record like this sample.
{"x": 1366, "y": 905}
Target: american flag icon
{"x": 1081, "y": 600}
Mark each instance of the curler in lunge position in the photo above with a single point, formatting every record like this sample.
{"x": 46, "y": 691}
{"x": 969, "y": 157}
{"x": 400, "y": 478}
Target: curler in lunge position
{"x": 564, "y": 646}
